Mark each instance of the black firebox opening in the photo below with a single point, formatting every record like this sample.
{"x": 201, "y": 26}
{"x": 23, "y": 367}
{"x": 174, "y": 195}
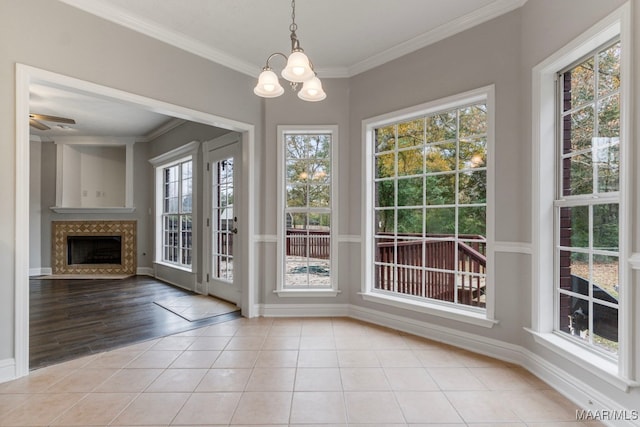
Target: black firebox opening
{"x": 94, "y": 250}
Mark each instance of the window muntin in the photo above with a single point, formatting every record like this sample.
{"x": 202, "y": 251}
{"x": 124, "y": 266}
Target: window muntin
{"x": 308, "y": 210}
{"x": 224, "y": 220}
{"x": 588, "y": 204}
{"x": 177, "y": 221}
{"x": 430, "y": 205}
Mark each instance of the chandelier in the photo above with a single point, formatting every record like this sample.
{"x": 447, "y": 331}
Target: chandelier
{"x": 298, "y": 70}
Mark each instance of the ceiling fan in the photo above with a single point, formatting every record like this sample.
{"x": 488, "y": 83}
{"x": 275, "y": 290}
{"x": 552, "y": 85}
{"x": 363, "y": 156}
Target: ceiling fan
{"x": 35, "y": 120}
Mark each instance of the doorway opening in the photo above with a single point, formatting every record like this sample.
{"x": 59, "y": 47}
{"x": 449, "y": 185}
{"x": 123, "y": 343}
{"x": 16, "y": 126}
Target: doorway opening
{"x": 27, "y": 76}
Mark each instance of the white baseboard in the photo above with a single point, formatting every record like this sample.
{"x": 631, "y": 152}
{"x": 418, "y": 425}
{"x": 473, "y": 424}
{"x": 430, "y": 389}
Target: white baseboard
{"x": 174, "y": 283}
{"x": 570, "y": 386}
{"x": 41, "y": 271}
{"x": 581, "y": 394}
{"x": 145, "y": 271}
{"x": 303, "y": 310}
{"x": 476, "y": 343}
{"x": 7, "y": 370}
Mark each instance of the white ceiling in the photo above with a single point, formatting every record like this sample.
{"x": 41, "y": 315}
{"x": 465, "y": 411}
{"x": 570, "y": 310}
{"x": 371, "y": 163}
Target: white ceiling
{"x": 342, "y": 38}
{"x": 94, "y": 116}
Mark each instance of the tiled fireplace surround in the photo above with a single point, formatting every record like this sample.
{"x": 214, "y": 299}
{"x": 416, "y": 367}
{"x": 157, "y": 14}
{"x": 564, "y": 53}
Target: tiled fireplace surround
{"x": 62, "y": 229}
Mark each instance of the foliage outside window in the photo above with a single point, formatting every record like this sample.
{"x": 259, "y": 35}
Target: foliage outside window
{"x": 430, "y": 203}
{"x": 307, "y": 216}
{"x": 588, "y": 201}
{"x": 177, "y": 181}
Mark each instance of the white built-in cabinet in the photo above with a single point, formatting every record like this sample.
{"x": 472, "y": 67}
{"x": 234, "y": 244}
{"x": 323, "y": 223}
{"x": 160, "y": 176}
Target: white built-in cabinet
{"x": 94, "y": 175}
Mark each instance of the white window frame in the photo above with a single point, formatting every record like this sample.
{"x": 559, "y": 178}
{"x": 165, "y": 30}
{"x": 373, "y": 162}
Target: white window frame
{"x": 544, "y": 135}
{"x": 180, "y": 245}
{"x": 467, "y": 314}
{"x": 181, "y": 154}
{"x": 281, "y": 290}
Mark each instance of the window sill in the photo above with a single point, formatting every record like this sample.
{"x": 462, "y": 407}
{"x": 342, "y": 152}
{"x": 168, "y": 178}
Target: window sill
{"x": 307, "y": 292}
{"x": 600, "y": 366}
{"x": 434, "y": 309}
{"x": 173, "y": 266}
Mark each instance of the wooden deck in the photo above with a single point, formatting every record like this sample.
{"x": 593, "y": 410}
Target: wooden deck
{"x": 75, "y": 317}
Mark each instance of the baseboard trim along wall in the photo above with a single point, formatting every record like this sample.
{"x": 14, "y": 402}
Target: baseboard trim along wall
{"x": 145, "y": 271}
{"x": 40, "y": 271}
{"x": 574, "y": 389}
{"x": 175, "y": 276}
{"x": 7, "y": 370}
{"x": 303, "y": 310}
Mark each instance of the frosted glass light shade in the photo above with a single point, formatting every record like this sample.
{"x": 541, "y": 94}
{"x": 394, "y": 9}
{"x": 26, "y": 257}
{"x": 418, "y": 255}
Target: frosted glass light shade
{"x": 268, "y": 85}
{"x": 298, "y": 68}
{"x": 312, "y": 90}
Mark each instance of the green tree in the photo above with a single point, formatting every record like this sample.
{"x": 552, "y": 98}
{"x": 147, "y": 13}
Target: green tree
{"x": 419, "y": 162}
{"x": 308, "y": 172}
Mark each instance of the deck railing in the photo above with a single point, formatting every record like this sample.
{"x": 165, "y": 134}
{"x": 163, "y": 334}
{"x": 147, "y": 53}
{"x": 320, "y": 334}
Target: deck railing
{"x": 433, "y": 256}
{"x": 308, "y": 243}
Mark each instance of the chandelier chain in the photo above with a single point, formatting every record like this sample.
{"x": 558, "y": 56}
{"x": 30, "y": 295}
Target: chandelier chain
{"x": 293, "y": 27}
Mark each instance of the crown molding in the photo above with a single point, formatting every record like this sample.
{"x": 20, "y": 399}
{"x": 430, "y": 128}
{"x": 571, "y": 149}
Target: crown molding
{"x": 458, "y": 25}
{"x": 187, "y": 149}
{"x": 161, "y": 130}
{"x": 173, "y": 38}
{"x": 181, "y": 41}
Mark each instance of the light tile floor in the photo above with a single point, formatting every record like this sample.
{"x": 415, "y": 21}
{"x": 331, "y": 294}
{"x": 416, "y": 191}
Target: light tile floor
{"x": 279, "y": 372}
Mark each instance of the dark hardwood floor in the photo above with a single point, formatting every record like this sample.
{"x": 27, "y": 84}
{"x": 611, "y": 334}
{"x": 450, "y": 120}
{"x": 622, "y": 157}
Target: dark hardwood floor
{"x": 74, "y": 318}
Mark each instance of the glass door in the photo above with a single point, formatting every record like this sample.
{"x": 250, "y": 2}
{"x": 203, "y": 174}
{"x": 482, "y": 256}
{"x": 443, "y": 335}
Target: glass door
{"x": 222, "y": 219}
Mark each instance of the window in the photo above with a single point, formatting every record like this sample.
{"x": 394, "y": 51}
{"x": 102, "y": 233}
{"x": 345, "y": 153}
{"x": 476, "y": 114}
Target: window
{"x": 587, "y": 205}
{"x": 581, "y": 257}
{"x": 177, "y": 222}
{"x": 307, "y": 221}
{"x": 430, "y": 177}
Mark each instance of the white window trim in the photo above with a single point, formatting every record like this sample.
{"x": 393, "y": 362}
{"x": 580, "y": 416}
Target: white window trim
{"x": 473, "y": 315}
{"x": 170, "y": 158}
{"x": 280, "y": 289}
{"x": 617, "y": 24}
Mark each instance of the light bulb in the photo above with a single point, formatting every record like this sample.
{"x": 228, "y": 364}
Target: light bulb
{"x": 268, "y": 85}
{"x": 298, "y": 69}
{"x": 312, "y": 90}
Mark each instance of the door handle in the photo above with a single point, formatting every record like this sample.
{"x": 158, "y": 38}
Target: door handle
{"x": 234, "y": 230}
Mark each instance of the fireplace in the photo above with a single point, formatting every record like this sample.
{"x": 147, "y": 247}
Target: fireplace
{"x": 94, "y": 250}
{"x": 94, "y": 247}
